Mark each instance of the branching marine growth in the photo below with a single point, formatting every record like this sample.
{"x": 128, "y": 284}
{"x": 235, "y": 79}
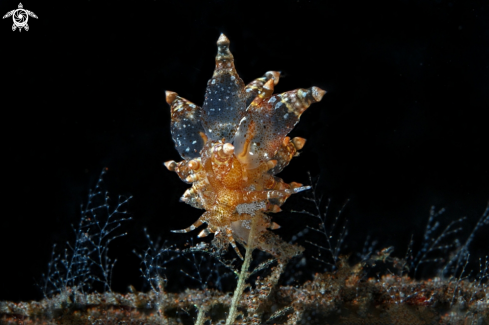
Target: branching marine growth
{"x": 85, "y": 263}
{"x": 232, "y": 147}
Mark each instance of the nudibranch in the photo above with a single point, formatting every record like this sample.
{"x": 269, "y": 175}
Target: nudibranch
{"x": 233, "y": 146}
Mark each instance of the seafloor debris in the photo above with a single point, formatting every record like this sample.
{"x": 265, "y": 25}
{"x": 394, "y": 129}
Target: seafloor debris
{"x": 340, "y": 297}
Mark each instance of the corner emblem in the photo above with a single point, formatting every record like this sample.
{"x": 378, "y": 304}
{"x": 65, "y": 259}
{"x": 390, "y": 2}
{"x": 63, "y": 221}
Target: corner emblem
{"x": 20, "y": 17}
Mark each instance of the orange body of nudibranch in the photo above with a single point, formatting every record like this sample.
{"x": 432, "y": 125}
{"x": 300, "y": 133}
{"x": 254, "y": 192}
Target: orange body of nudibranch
{"x": 232, "y": 147}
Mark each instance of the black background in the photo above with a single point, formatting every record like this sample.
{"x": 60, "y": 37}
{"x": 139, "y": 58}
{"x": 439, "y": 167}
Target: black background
{"x": 402, "y": 127}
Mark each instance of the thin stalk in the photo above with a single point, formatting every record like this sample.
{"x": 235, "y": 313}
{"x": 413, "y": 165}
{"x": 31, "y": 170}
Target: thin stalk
{"x": 200, "y": 315}
{"x": 243, "y": 275}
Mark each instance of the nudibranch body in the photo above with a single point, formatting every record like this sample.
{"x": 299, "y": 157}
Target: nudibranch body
{"x": 232, "y": 147}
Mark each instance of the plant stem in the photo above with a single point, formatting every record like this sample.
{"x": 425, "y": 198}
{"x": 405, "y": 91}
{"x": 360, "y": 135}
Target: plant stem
{"x": 243, "y": 275}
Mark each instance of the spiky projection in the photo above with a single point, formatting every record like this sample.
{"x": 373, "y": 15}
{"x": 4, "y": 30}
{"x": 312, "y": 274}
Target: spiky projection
{"x": 233, "y": 146}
